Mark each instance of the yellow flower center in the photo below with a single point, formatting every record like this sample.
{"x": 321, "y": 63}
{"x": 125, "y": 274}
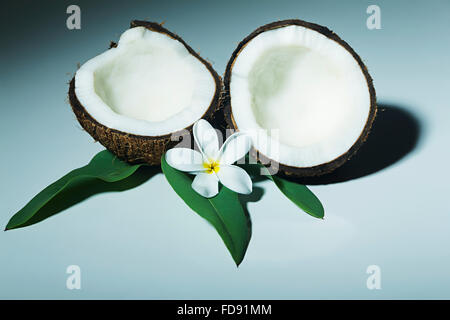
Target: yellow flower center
{"x": 211, "y": 166}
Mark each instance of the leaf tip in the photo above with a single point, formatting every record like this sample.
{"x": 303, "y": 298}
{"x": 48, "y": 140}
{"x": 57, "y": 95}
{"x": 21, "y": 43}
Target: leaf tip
{"x": 238, "y": 262}
{"x": 9, "y": 226}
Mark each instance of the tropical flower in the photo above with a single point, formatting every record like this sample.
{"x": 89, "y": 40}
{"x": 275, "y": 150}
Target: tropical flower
{"x": 213, "y": 165}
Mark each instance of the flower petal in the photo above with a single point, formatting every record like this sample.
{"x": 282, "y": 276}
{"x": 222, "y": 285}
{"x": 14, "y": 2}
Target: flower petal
{"x": 206, "y": 138}
{"x": 185, "y": 159}
{"x": 206, "y": 184}
{"x": 235, "y": 178}
{"x": 234, "y": 148}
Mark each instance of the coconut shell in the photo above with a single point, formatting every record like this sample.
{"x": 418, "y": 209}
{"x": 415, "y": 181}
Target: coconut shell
{"x": 135, "y": 148}
{"x": 291, "y": 171}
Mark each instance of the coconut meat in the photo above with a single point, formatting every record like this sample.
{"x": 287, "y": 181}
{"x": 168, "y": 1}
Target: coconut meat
{"x": 302, "y": 96}
{"x": 150, "y": 85}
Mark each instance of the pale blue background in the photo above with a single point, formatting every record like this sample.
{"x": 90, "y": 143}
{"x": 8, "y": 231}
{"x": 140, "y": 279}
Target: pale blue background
{"x": 145, "y": 242}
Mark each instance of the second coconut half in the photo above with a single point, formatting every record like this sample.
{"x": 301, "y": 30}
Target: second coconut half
{"x": 304, "y": 95}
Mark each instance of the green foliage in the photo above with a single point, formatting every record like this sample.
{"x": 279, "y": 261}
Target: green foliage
{"x": 105, "y": 172}
{"x": 301, "y": 196}
{"x": 298, "y": 193}
{"x": 105, "y": 167}
{"x": 224, "y": 211}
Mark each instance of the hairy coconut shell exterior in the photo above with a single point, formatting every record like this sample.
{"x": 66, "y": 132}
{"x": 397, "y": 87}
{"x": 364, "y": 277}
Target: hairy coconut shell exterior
{"x": 135, "y": 148}
{"x": 290, "y": 171}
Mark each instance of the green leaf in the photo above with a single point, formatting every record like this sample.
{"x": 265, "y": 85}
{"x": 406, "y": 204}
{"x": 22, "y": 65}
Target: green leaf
{"x": 224, "y": 211}
{"x": 298, "y": 194}
{"x": 105, "y": 167}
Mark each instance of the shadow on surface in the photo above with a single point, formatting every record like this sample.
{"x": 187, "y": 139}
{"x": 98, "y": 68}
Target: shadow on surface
{"x": 255, "y": 196}
{"x": 244, "y": 199}
{"x": 79, "y": 191}
{"x": 395, "y": 133}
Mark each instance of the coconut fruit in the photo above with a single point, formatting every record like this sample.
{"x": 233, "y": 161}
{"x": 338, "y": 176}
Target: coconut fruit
{"x": 149, "y": 87}
{"x": 302, "y": 93}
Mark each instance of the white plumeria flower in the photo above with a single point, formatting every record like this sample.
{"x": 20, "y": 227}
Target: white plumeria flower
{"x": 212, "y": 164}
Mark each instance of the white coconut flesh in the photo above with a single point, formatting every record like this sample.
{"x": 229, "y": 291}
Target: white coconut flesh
{"x": 148, "y": 85}
{"x": 301, "y": 95}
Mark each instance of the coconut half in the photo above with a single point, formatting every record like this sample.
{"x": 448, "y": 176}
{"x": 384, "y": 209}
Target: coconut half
{"x": 149, "y": 87}
{"x": 302, "y": 93}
